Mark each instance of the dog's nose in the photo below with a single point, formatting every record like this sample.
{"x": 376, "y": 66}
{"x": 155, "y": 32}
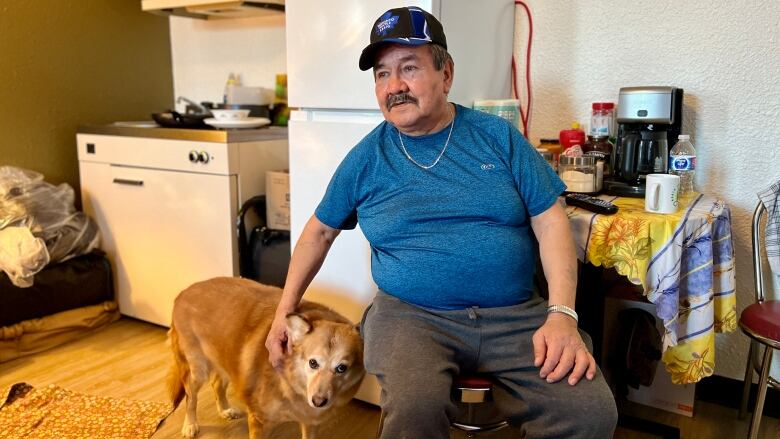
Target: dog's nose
{"x": 319, "y": 401}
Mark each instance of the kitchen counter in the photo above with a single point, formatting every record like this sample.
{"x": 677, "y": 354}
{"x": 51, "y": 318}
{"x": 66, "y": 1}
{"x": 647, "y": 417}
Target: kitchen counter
{"x": 152, "y": 130}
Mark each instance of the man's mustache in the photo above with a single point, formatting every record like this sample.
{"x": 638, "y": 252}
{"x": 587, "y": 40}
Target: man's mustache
{"x": 400, "y": 98}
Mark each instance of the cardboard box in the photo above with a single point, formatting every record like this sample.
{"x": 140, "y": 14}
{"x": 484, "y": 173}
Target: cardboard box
{"x": 662, "y": 393}
{"x": 277, "y": 199}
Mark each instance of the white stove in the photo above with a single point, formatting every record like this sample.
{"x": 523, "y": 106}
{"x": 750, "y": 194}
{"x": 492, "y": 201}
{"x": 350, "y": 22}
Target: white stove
{"x": 166, "y": 204}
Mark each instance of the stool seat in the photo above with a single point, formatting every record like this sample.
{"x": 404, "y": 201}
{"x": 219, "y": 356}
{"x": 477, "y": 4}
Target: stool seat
{"x": 473, "y": 382}
{"x": 472, "y": 390}
{"x": 761, "y": 320}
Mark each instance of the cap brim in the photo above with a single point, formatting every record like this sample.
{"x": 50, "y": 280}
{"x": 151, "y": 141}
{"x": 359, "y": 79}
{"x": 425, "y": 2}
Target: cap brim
{"x": 368, "y": 54}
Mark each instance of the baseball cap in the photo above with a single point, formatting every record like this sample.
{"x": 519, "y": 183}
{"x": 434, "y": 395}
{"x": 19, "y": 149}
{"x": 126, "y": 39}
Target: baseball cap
{"x": 410, "y": 26}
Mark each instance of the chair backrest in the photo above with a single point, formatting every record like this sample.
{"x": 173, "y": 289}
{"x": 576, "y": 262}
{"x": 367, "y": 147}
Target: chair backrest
{"x": 758, "y": 242}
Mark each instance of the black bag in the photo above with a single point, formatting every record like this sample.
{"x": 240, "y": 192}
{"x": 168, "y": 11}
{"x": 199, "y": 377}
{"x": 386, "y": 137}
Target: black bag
{"x": 264, "y": 255}
{"x": 80, "y": 281}
{"x": 637, "y": 351}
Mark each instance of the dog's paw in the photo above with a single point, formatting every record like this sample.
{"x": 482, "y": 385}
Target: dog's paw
{"x": 230, "y": 413}
{"x": 189, "y": 430}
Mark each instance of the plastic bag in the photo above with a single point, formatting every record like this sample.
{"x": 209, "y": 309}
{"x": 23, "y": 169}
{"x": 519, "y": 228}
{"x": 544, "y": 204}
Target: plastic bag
{"x": 49, "y": 214}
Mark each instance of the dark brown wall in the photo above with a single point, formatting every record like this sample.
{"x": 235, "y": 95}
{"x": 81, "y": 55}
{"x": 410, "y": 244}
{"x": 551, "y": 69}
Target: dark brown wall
{"x": 64, "y": 63}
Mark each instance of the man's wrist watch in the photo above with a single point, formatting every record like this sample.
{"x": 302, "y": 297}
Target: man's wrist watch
{"x": 564, "y": 310}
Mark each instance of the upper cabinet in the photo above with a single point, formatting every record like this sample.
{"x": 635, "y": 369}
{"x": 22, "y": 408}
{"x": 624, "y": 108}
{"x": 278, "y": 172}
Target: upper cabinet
{"x": 212, "y": 9}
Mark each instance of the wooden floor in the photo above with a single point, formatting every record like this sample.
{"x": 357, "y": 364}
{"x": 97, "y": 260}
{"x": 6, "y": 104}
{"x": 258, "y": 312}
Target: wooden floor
{"x": 129, "y": 359}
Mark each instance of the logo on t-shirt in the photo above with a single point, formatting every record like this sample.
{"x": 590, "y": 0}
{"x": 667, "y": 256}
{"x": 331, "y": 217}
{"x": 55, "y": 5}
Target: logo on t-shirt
{"x": 487, "y": 166}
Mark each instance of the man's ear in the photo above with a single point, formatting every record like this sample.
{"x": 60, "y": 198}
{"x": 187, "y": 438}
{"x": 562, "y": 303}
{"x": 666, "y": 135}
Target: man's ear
{"x": 297, "y": 327}
{"x": 449, "y": 75}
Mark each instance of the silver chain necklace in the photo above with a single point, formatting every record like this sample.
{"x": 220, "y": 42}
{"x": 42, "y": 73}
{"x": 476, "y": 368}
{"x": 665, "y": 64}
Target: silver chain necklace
{"x": 400, "y": 137}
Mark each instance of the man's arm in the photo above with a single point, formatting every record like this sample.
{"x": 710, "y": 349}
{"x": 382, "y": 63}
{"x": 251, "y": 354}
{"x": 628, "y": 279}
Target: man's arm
{"x": 558, "y": 347}
{"x": 307, "y": 258}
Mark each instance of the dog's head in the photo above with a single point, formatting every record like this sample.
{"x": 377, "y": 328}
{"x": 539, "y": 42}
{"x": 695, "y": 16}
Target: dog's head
{"x": 328, "y": 356}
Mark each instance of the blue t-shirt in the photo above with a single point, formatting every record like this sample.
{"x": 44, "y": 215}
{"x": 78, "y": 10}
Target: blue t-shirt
{"x": 455, "y": 235}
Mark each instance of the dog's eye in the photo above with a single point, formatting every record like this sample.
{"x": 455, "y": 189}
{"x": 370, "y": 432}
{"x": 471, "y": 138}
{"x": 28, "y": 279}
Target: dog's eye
{"x": 313, "y": 364}
{"x": 341, "y": 368}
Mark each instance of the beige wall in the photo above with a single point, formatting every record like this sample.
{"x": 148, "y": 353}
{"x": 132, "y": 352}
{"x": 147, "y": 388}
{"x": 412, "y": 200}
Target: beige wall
{"x": 725, "y": 55}
{"x": 67, "y": 63}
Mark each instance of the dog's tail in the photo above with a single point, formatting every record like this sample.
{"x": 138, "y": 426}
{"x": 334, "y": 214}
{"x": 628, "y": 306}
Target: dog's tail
{"x": 179, "y": 372}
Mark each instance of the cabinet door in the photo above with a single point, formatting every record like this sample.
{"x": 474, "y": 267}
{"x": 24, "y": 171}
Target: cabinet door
{"x": 162, "y": 231}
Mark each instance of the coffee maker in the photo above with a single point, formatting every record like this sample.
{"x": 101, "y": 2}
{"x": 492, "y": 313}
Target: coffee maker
{"x": 649, "y": 121}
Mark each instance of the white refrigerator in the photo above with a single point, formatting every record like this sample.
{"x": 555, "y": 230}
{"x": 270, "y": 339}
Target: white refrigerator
{"x": 336, "y": 107}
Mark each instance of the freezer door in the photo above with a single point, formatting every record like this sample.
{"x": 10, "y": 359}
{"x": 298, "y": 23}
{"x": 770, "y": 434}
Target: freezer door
{"x": 318, "y": 143}
{"x": 325, "y": 39}
{"x": 324, "y": 42}
{"x": 162, "y": 231}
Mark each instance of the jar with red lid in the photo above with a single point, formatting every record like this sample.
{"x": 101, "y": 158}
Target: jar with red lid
{"x": 602, "y": 119}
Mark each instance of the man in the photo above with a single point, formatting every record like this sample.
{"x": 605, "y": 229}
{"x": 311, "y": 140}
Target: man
{"x": 450, "y": 200}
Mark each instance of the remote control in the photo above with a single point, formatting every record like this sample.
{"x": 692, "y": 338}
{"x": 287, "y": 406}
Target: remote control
{"x": 592, "y": 204}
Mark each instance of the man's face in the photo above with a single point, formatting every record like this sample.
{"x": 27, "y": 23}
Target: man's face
{"x": 411, "y": 93}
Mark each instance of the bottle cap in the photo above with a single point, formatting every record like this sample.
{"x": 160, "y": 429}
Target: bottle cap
{"x": 683, "y": 137}
{"x": 603, "y": 105}
{"x": 575, "y": 125}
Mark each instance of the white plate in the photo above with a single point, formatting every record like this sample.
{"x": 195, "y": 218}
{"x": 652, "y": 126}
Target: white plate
{"x": 249, "y": 122}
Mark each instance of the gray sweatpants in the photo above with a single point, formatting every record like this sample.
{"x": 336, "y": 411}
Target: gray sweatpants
{"x": 415, "y": 352}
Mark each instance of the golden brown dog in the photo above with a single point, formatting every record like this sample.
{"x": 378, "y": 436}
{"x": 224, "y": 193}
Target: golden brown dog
{"x": 218, "y": 334}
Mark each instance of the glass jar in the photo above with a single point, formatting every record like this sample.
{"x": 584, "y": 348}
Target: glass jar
{"x": 601, "y": 148}
{"x": 554, "y": 146}
{"x": 578, "y": 173}
{"x": 547, "y": 156}
{"x": 602, "y": 119}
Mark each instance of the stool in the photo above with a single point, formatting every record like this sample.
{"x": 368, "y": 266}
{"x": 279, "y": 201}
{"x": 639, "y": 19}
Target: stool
{"x": 761, "y": 322}
{"x": 470, "y": 390}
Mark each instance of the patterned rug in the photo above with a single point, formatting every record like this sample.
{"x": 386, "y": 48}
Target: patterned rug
{"x": 54, "y": 412}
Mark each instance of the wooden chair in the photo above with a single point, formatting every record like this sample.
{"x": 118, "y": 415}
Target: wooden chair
{"x": 761, "y": 322}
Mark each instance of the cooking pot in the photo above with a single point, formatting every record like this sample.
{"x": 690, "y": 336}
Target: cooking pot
{"x": 174, "y": 119}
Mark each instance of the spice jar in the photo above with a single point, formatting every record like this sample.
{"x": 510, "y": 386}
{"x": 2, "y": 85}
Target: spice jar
{"x": 547, "y": 156}
{"x": 578, "y": 173}
{"x": 552, "y": 145}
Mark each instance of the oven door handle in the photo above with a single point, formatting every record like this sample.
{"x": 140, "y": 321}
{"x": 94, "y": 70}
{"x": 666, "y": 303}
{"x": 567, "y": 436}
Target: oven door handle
{"x": 129, "y": 182}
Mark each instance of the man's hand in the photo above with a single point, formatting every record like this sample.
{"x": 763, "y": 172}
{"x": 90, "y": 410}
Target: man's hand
{"x": 558, "y": 349}
{"x": 276, "y": 342}
{"x": 308, "y": 255}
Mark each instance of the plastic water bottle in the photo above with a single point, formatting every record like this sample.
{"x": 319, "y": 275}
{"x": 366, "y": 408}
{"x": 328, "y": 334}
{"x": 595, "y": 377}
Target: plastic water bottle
{"x": 682, "y": 162}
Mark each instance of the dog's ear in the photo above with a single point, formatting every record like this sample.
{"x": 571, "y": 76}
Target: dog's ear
{"x": 297, "y": 326}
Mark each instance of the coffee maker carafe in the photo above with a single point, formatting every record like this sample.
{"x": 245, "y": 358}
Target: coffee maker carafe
{"x": 649, "y": 121}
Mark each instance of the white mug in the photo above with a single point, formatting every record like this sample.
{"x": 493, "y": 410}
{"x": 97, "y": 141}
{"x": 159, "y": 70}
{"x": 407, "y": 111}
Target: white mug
{"x": 662, "y": 192}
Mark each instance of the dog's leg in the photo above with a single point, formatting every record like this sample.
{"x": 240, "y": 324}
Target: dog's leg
{"x": 256, "y": 428}
{"x": 309, "y": 431}
{"x": 223, "y": 406}
{"x": 194, "y": 382}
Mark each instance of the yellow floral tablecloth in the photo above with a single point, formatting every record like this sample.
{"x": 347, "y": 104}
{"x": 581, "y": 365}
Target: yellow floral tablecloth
{"x": 685, "y": 264}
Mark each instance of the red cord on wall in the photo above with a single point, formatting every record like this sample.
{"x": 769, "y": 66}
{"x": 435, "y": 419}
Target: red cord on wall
{"x": 524, "y": 115}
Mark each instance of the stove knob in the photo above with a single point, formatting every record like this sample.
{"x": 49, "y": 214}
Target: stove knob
{"x": 194, "y": 156}
{"x": 203, "y": 157}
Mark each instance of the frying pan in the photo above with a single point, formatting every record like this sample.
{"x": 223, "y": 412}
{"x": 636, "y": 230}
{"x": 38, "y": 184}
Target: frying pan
{"x": 174, "y": 119}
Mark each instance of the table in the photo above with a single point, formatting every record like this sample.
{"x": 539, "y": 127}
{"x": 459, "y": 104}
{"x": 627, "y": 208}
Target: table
{"x": 684, "y": 263}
